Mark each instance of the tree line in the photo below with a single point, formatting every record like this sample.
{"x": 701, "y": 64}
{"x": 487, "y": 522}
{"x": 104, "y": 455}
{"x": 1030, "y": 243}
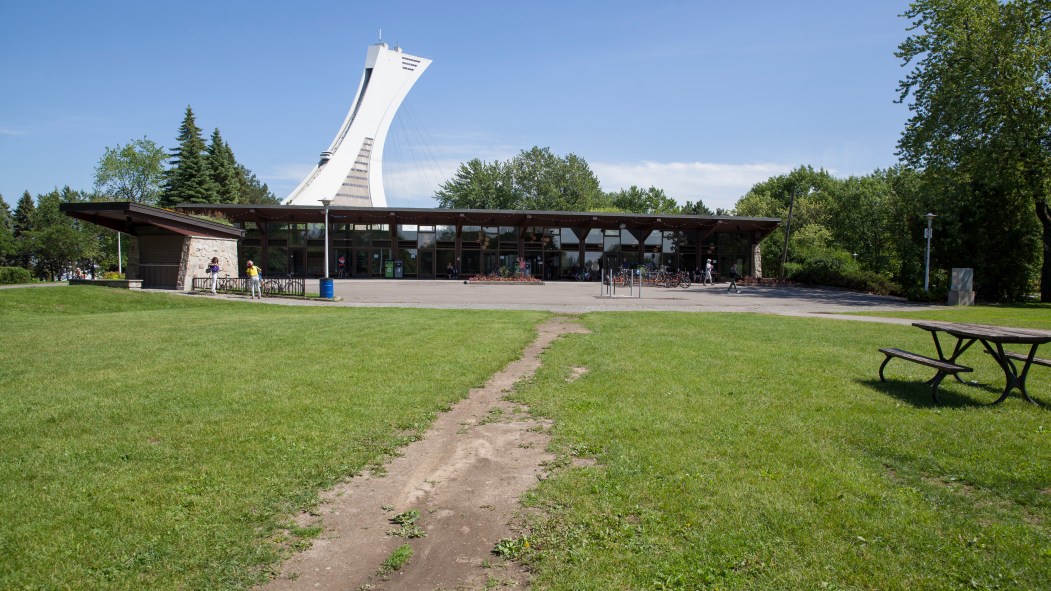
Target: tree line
{"x": 976, "y": 152}
{"x": 540, "y": 180}
{"x": 48, "y": 244}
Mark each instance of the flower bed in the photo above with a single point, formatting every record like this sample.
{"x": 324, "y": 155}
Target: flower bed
{"x": 505, "y": 279}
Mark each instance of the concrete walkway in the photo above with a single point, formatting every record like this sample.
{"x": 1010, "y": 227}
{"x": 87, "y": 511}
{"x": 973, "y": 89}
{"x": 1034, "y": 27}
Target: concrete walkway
{"x": 576, "y": 297}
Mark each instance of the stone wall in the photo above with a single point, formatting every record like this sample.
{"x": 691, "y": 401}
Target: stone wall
{"x": 197, "y": 253}
{"x": 757, "y": 260}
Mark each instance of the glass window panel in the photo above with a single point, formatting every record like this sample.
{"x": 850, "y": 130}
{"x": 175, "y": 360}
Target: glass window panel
{"x": 509, "y": 234}
{"x": 594, "y": 237}
{"x": 446, "y": 233}
{"x": 425, "y": 240}
{"x": 443, "y": 260}
{"x": 407, "y": 231}
{"x": 407, "y": 256}
{"x": 471, "y": 234}
{"x": 276, "y": 261}
{"x": 569, "y": 237}
{"x": 570, "y": 265}
{"x": 628, "y": 239}
{"x": 654, "y": 239}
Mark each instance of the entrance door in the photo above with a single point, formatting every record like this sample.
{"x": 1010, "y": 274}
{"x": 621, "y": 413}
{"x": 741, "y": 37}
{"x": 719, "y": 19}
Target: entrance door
{"x": 490, "y": 263}
{"x": 361, "y": 262}
{"x": 426, "y": 268}
{"x": 551, "y": 266}
{"x": 297, "y": 261}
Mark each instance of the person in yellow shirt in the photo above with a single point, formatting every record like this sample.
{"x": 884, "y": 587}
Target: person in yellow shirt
{"x": 254, "y": 275}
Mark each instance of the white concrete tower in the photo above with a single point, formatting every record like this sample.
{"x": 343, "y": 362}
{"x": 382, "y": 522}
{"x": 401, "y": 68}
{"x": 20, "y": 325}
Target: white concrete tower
{"x": 350, "y": 171}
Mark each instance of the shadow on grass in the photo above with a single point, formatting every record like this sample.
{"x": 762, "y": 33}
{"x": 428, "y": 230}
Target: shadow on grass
{"x": 918, "y": 394}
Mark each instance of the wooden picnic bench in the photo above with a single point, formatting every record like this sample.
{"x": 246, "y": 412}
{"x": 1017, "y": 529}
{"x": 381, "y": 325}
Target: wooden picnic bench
{"x": 993, "y": 338}
{"x": 1021, "y": 357}
{"x": 944, "y": 368}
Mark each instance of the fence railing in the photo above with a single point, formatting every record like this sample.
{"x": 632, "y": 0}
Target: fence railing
{"x": 294, "y": 286}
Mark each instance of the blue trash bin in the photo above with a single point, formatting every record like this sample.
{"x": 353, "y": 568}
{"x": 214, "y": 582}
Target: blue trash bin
{"x": 327, "y": 290}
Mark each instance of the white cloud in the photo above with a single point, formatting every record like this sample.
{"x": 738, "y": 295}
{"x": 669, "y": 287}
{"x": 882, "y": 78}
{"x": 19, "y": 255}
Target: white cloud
{"x": 717, "y": 185}
{"x": 290, "y": 172}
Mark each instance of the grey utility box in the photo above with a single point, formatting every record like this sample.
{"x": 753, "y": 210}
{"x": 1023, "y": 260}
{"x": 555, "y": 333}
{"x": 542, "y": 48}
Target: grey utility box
{"x": 961, "y": 290}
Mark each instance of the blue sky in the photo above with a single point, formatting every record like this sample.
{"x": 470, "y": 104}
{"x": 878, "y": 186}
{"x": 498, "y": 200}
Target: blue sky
{"x": 700, "y": 98}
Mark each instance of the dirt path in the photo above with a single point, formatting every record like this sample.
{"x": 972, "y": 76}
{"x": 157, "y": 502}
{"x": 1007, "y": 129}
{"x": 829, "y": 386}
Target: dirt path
{"x": 464, "y": 476}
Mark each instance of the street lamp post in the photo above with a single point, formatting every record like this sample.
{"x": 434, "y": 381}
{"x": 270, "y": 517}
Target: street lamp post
{"x": 326, "y": 203}
{"x": 788, "y": 230}
{"x": 927, "y": 258}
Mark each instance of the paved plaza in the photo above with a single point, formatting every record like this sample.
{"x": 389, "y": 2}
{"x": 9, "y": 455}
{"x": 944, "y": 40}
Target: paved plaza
{"x": 578, "y": 297}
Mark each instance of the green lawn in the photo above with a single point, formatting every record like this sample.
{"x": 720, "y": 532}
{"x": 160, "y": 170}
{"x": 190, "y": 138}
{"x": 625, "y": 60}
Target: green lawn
{"x": 153, "y": 441}
{"x": 1017, "y": 315}
{"x": 758, "y": 452}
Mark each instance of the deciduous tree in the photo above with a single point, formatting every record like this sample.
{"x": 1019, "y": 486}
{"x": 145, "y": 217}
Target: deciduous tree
{"x": 980, "y": 95}
{"x": 636, "y": 200}
{"x": 133, "y": 172}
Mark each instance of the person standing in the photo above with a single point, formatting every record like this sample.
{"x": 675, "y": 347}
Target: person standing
{"x": 213, "y": 270}
{"x": 254, "y": 284}
{"x": 733, "y": 279}
{"x": 450, "y": 271}
{"x": 708, "y": 273}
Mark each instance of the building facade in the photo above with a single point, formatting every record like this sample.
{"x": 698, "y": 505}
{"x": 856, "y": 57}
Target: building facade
{"x": 425, "y": 243}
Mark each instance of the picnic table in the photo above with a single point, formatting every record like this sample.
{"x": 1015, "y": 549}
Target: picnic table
{"x": 993, "y": 338}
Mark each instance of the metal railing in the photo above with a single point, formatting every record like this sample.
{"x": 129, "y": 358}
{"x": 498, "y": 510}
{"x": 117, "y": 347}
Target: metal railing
{"x": 273, "y": 286}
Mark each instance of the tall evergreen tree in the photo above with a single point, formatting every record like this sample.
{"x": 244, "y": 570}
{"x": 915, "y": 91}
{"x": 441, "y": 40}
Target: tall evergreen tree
{"x": 189, "y": 179}
{"x": 252, "y": 190}
{"x": 22, "y": 226}
{"x": 223, "y": 168}
{"x": 698, "y": 208}
{"x": 7, "y": 237}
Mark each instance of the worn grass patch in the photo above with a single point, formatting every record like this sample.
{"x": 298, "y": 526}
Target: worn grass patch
{"x": 152, "y": 441}
{"x": 742, "y": 451}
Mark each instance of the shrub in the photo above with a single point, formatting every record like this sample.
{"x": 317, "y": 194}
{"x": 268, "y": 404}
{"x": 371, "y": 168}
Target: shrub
{"x": 112, "y": 275}
{"x": 14, "y": 275}
{"x": 839, "y": 270}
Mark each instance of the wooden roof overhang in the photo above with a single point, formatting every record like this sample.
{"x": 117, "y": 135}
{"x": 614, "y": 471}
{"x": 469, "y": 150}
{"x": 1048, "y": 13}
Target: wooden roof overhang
{"x": 136, "y": 219}
{"x": 487, "y": 217}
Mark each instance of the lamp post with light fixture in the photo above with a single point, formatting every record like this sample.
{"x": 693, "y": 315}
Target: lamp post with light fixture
{"x": 326, "y": 203}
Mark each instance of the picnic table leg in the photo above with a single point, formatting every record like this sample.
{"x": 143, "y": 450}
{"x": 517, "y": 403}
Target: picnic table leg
{"x": 1013, "y": 379}
{"x": 935, "y": 382}
{"x": 956, "y": 352}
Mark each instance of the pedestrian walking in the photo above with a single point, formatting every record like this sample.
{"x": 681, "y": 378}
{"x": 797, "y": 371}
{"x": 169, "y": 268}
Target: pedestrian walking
{"x": 733, "y": 279}
{"x": 708, "y": 273}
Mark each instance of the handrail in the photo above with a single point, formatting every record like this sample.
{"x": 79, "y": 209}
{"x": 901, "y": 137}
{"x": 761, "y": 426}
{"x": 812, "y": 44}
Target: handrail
{"x": 273, "y": 286}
